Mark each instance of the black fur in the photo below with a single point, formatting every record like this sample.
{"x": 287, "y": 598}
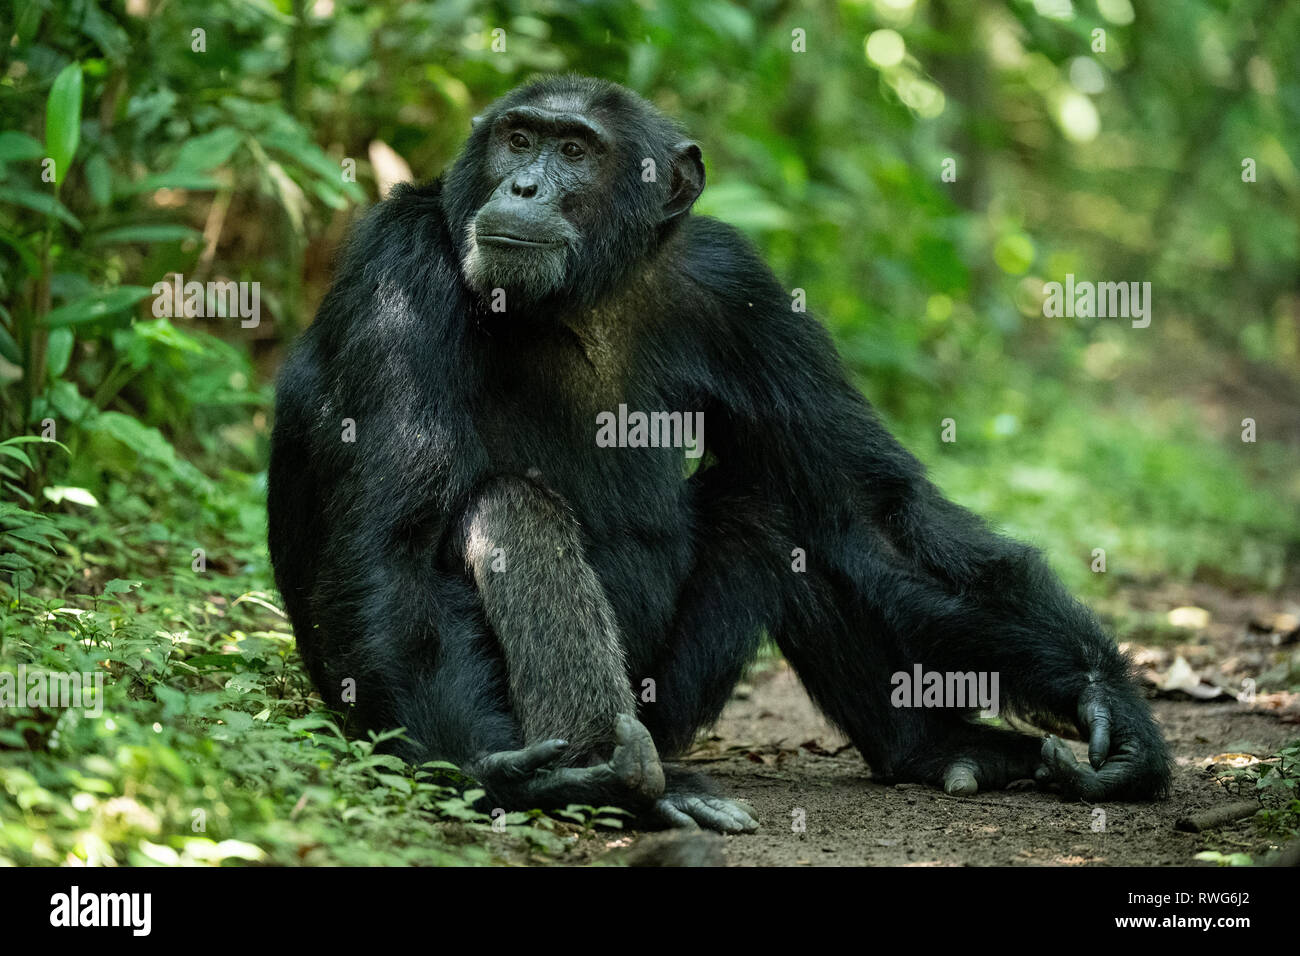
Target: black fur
{"x": 452, "y": 401}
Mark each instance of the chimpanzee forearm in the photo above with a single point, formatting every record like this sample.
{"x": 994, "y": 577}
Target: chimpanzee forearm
{"x": 559, "y": 636}
{"x": 1009, "y": 612}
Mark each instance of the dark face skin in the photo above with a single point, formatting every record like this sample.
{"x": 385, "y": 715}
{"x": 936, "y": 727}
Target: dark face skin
{"x": 548, "y": 164}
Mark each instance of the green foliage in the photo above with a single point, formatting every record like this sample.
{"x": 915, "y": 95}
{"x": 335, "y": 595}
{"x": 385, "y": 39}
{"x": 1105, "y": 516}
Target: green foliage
{"x": 134, "y": 151}
{"x": 207, "y": 750}
{"x": 1275, "y": 783}
{"x": 63, "y": 118}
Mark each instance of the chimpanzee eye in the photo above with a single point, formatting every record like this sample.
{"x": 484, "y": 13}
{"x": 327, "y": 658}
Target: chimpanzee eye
{"x": 572, "y": 150}
{"x": 518, "y": 141}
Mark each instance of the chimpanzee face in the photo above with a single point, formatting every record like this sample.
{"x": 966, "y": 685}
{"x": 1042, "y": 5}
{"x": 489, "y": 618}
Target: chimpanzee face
{"x": 548, "y": 166}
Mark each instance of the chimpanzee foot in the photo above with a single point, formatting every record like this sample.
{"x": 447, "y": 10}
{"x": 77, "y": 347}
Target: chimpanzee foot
{"x": 690, "y": 811}
{"x": 1124, "y": 774}
{"x": 972, "y": 758}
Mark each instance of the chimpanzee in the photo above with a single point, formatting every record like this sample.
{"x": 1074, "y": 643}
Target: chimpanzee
{"x": 555, "y": 454}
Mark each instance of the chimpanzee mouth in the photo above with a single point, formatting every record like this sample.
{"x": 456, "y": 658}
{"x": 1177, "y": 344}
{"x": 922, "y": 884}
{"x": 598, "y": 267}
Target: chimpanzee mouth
{"x": 504, "y": 240}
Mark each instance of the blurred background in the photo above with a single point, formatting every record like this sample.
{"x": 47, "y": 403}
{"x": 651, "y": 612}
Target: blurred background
{"x": 921, "y": 168}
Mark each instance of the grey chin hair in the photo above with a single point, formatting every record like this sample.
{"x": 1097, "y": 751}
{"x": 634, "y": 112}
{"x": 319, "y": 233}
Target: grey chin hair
{"x": 530, "y": 275}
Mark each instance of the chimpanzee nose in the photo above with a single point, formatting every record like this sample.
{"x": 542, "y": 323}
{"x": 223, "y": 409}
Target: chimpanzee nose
{"x": 523, "y": 188}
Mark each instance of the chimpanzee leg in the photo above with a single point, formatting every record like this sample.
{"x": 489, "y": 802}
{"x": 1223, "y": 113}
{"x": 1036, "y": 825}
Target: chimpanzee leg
{"x": 733, "y": 592}
{"x": 997, "y": 610}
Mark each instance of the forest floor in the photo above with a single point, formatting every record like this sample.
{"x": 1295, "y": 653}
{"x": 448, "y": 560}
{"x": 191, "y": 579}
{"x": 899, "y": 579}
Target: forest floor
{"x": 772, "y": 749}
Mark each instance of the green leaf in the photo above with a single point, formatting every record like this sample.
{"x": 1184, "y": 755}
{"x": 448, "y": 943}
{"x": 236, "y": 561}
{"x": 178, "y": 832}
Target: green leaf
{"x": 63, "y": 119}
{"x": 25, "y": 23}
{"x": 100, "y": 180}
{"x": 208, "y": 151}
{"x": 16, "y": 453}
{"x": 16, "y": 147}
{"x": 59, "y": 351}
{"x": 40, "y": 202}
{"x": 9, "y": 348}
{"x": 30, "y": 440}
{"x": 146, "y": 233}
{"x": 96, "y": 306}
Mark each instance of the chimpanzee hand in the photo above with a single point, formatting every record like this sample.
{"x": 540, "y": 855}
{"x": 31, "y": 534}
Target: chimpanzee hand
{"x": 1128, "y": 757}
{"x": 530, "y": 777}
{"x": 633, "y": 777}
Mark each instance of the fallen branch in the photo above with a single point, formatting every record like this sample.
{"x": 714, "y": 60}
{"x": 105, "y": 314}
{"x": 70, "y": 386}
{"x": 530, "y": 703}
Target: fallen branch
{"x": 1217, "y": 816}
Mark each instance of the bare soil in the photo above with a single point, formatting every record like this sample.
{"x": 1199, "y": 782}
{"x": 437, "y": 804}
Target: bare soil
{"x": 772, "y": 749}
{"x": 776, "y": 752}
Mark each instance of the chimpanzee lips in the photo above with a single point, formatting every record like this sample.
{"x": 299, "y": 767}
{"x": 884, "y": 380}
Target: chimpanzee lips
{"x": 500, "y": 239}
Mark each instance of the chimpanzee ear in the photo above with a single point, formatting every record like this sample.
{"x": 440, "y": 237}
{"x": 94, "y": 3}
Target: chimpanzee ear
{"x": 475, "y": 121}
{"x": 687, "y": 180}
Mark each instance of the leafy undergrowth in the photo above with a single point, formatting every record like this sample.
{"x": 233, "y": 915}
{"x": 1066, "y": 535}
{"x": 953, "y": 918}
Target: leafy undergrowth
{"x": 208, "y": 749}
{"x": 1275, "y": 784}
{"x": 211, "y": 749}
{"x": 204, "y": 745}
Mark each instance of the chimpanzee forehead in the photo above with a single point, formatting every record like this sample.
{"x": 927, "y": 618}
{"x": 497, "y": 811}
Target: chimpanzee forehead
{"x": 558, "y": 122}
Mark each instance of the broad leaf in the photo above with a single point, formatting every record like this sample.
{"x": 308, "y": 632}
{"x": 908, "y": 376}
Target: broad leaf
{"x": 63, "y": 119}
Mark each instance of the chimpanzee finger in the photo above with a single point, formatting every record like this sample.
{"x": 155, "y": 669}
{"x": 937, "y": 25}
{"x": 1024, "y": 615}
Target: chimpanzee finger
{"x": 1076, "y": 780}
{"x": 1097, "y": 717}
{"x": 674, "y": 817}
{"x": 516, "y": 764}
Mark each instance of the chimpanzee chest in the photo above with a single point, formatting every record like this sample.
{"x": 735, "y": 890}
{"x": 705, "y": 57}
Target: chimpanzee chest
{"x": 577, "y": 422}
{"x": 565, "y": 408}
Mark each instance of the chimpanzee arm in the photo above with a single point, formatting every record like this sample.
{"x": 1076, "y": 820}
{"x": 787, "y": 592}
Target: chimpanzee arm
{"x": 566, "y": 662}
{"x": 945, "y": 591}
{"x": 563, "y": 651}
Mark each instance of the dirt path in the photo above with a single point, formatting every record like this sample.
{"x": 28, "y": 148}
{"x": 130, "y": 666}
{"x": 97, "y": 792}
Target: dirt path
{"x": 774, "y": 750}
